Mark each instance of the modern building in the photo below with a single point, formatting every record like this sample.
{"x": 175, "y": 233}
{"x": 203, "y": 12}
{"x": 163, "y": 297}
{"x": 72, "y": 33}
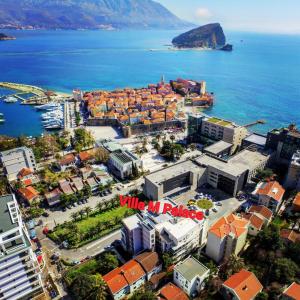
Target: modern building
{"x": 269, "y": 194}
{"x": 293, "y": 175}
{"x": 254, "y": 140}
{"x": 163, "y": 233}
{"x": 233, "y": 174}
{"x": 241, "y": 286}
{"x": 190, "y": 276}
{"x": 173, "y": 181}
{"x": 194, "y": 127}
{"x": 285, "y": 141}
{"x": 20, "y": 276}
{"x": 122, "y": 162}
{"x": 227, "y": 236}
{"x": 219, "y": 149}
{"x": 171, "y": 292}
{"x": 292, "y": 292}
{"x": 15, "y": 160}
{"x": 126, "y": 279}
{"x": 227, "y": 131}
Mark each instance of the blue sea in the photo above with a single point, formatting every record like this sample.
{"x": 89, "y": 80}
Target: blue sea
{"x": 260, "y": 79}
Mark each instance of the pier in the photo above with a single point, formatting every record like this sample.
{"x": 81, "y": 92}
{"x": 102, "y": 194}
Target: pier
{"x": 255, "y": 123}
{"x": 23, "y": 88}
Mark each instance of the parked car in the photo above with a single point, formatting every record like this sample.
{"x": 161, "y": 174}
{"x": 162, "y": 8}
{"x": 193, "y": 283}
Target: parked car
{"x": 45, "y": 214}
{"x": 214, "y": 210}
{"x": 219, "y": 203}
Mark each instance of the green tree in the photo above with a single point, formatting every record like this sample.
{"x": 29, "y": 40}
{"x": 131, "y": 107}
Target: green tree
{"x": 107, "y": 263}
{"x": 82, "y": 139}
{"x": 81, "y": 213}
{"x": 74, "y": 216}
{"x": 87, "y": 191}
{"x": 167, "y": 260}
{"x": 262, "y": 296}
{"x": 264, "y": 174}
{"x": 88, "y": 210}
{"x": 231, "y": 266}
{"x": 99, "y": 291}
{"x": 143, "y": 295}
{"x": 172, "y": 138}
{"x": 284, "y": 270}
{"x": 101, "y": 155}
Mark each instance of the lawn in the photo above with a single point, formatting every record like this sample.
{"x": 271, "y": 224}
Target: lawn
{"x": 205, "y": 204}
{"x": 89, "y": 268}
{"x": 84, "y": 225}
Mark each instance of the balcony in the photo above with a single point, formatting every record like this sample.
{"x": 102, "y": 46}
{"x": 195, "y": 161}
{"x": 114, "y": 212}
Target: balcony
{"x": 17, "y": 282}
{"x": 9, "y": 262}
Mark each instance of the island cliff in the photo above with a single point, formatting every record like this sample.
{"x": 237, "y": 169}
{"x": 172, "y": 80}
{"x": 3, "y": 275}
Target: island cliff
{"x": 208, "y": 36}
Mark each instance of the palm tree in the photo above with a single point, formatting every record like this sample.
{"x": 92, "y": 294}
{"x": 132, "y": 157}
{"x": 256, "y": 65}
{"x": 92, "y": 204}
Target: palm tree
{"x": 158, "y": 136}
{"x": 81, "y": 213}
{"x": 172, "y": 138}
{"x": 99, "y": 226}
{"x": 74, "y": 216}
{"x": 99, "y": 206}
{"x": 88, "y": 210}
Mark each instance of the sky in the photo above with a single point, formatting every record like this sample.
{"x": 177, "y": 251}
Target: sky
{"x": 274, "y": 16}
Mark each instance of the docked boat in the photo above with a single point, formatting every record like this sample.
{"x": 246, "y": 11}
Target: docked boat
{"x": 10, "y": 99}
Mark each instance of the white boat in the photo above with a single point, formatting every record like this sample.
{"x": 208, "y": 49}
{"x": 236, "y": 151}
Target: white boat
{"x": 47, "y": 106}
{"x": 10, "y": 99}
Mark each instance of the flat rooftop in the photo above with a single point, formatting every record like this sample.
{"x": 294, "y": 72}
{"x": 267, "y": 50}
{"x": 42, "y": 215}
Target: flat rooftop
{"x": 123, "y": 156}
{"x": 6, "y": 223}
{"x": 190, "y": 268}
{"x": 218, "y": 147}
{"x": 236, "y": 165}
{"x": 256, "y": 139}
{"x": 221, "y": 122}
{"x": 160, "y": 176}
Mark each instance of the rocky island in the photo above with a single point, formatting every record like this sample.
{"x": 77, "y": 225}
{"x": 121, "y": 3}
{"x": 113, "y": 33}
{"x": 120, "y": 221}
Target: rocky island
{"x": 4, "y": 37}
{"x": 210, "y": 36}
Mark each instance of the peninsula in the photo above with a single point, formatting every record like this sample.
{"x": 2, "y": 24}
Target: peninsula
{"x": 210, "y": 36}
{"x": 4, "y": 37}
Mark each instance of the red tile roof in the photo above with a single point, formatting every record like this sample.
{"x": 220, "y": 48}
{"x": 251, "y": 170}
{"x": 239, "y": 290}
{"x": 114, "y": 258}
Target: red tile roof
{"x": 125, "y": 275}
{"x": 255, "y": 220}
{"x": 27, "y": 182}
{"x": 293, "y": 291}
{"x": 230, "y": 224}
{"x": 290, "y": 235}
{"x": 67, "y": 159}
{"x": 272, "y": 189}
{"x": 148, "y": 260}
{"x": 85, "y": 155}
{"x": 24, "y": 172}
{"x": 297, "y": 200}
{"x": 261, "y": 209}
{"x": 28, "y": 193}
{"x": 245, "y": 285}
{"x": 172, "y": 292}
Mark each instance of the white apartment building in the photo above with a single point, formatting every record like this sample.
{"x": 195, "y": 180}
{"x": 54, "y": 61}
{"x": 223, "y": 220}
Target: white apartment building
{"x": 227, "y": 236}
{"x": 20, "y": 276}
{"x": 190, "y": 276}
{"x": 163, "y": 233}
{"x": 218, "y": 129}
{"x": 15, "y": 160}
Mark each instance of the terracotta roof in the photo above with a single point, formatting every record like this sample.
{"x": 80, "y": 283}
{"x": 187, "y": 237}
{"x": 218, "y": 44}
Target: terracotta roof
{"x": 156, "y": 278}
{"x": 24, "y": 172}
{"x": 244, "y": 284}
{"x": 272, "y": 189}
{"x": 85, "y": 155}
{"x": 125, "y": 275}
{"x": 256, "y": 221}
{"x": 28, "y": 193}
{"x": 230, "y": 224}
{"x": 261, "y": 209}
{"x": 148, "y": 260}
{"x": 290, "y": 235}
{"x": 297, "y": 200}
{"x": 27, "y": 182}
{"x": 67, "y": 159}
{"x": 293, "y": 291}
{"x": 172, "y": 292}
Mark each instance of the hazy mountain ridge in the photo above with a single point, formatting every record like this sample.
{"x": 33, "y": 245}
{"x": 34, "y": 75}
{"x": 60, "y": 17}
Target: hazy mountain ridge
{"x": 75, "y": 14}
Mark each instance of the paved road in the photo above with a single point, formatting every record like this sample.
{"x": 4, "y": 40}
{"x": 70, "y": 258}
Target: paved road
{"x": 90, "y": 249}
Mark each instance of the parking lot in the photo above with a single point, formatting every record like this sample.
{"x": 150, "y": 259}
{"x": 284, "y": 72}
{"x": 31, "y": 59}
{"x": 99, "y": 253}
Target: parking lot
{"x": 228, "y": 203}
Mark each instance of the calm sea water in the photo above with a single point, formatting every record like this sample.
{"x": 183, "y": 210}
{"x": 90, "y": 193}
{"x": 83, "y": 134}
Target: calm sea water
{"x": 260, "y": 79}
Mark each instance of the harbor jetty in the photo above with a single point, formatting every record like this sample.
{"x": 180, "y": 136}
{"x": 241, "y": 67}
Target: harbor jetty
{"x": 255, "y": 123}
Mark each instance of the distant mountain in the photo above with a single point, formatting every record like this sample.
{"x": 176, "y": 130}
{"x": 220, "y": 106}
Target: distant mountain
{"x": 207, "y": 36}
{"x": 87, "y": 14}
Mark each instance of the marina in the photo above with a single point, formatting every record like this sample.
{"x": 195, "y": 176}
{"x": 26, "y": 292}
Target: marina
{"x": 53, "y": 116}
